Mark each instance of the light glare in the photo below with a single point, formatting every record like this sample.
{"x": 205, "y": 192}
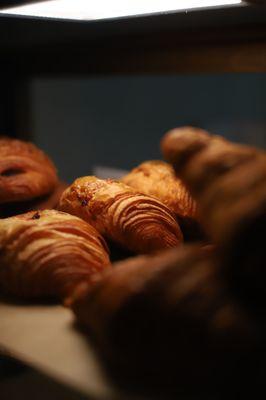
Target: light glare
{"x": 102, "y": 9}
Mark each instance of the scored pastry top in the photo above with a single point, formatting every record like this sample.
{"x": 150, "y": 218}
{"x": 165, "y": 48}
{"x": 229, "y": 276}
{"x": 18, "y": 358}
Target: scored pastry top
{"x": 26, "y": 172}
{"x": 47, "y": 253}
{"x": 136, "y": 221}
{"x": 157, "y": 178}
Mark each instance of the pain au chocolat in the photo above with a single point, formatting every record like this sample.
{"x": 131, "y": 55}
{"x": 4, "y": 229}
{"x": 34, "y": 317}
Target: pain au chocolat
{"x": 135, "y": 221}
{"x": 228, "y": 181}
{"x": 26, "y": 172}
{"x": 47, "y": 253}
{"x": 157, "y": 178}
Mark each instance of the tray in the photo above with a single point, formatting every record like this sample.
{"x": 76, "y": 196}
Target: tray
{"x": 45, "y": 338}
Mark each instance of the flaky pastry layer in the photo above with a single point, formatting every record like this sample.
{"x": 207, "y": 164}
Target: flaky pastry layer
{"x": 25, "y": 171}
{"x": 138, "y": 222}
{"x": 47, "y": 253}
{"x": 157, "y": 178}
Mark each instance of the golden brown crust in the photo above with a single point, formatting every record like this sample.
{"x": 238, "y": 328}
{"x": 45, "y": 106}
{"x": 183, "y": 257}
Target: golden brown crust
{"x": 47, "y": 253}
{"x": 157, "y": 178}
{"x": 25, "y": 171}
{"x": 169, "y": 313}
{"x": 135, "y": 221}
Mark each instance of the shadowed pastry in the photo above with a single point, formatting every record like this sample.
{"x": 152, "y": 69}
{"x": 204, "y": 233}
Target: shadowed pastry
{"x": 157, "y": 178}
{"x": 47, "y": 202}
{"x": 229, "y": 183}
{"x": 170, "y": 314}
{"x": 47, "y": 253}
{"x": 137, "y": 222}
{"x": 25, "y": 171}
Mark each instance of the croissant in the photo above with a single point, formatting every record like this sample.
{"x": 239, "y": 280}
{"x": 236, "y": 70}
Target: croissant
{"x": 137, "y": 222}
{"x": 47, "y": 253}
{"x": 157, "y": 178}
{"x": 25, "y": 171}
{"x": 229, "y": 183}
{"x": 170, "y": 315}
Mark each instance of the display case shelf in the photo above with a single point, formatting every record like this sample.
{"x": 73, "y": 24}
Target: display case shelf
{"x": 206, "y": 40}
{"x": 210, "y": 40}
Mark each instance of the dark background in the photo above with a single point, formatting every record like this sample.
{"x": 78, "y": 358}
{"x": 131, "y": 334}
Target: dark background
{"x": 118, "y": 121}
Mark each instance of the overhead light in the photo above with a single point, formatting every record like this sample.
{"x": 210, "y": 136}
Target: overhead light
{"x": 102, "y": 9}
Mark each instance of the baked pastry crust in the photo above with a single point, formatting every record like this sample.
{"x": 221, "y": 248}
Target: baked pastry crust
{"x": 169, "y": 314}
{"x": 157, "y": 178}
{"x": 47, "y": 253}
{"x": 138, "y": 222}
{"x": 228, "y": 181}
{"x": 25, "y": 171}
{"x": 47, "y": 202}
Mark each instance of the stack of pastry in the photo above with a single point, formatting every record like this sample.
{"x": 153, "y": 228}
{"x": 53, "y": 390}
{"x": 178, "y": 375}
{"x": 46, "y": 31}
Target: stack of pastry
{"x": 188, "y": 318}
{"x": 48, "y": 253}
{"x": 187, "y": 313}
{"x": 43, "y": 252}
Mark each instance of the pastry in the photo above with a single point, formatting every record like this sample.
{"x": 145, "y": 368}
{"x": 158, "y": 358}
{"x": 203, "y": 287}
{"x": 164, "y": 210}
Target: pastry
{"x": 25, "y": 171}
{"x": 157, "y": 178}
{"x": 228, "y": 182}
{"x": 137, "y": 222}
{"x": 47, "y": 202}
{"x": 170, "y": 314}
{"x": 47, "y": 253}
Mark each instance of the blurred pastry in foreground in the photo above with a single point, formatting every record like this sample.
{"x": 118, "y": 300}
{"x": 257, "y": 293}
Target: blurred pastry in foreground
{"x": 228, "y": 181}
{"x": 157, "y": 178}
{"x": 47, "y": 202}
{"x": 48, "y": 253}
{"x": 26, "y": 172}
{"x": 135, "y": 221}
{"x": 170, "y": 314}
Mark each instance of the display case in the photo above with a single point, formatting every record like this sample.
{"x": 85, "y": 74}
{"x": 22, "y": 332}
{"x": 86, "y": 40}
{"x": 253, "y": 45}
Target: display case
{"x": 215, "y": 40}
{"x": 201, "y": 41}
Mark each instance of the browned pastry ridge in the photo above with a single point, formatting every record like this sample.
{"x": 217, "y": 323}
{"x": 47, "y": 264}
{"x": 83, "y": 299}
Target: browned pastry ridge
{"x": 25, "y": 171}
{"x": 229, "y": 183}
{"x": 170, "y": 314}
{"x": 137, "y": 222}
{"x": 157, "y": 178}
{"x": 47, "y": 253}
